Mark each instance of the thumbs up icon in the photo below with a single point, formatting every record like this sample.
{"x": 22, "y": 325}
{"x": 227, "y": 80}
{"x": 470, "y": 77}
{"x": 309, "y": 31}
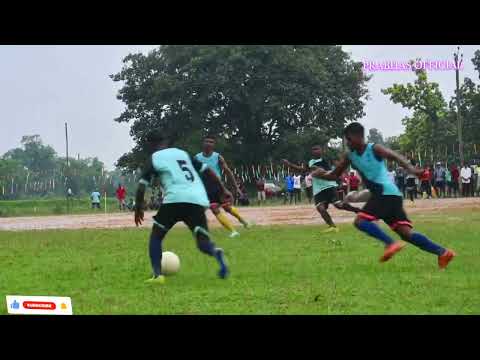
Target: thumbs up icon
{"x": 15, "y": 305}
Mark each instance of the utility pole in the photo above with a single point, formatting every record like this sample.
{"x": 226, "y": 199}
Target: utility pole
{"x": 459, "y": 119}
{"x": 67, "y": 172}
{"x": 66, "y": 140}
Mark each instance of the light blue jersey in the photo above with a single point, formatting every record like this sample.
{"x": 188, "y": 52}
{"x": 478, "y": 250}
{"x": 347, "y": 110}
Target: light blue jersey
{"x": 317, "y": 183}
{"x": 374, "y": 172}
{"x": 95, "y": 196}
{"x": 179, "y": 177}
{"x": 213, "y": 162}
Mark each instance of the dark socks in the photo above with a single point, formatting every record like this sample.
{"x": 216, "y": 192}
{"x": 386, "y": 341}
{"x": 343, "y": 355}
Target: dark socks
{"x": 155, "y": 250}
{"x": 426, "y": 244}
{"x": 374, "y": 230}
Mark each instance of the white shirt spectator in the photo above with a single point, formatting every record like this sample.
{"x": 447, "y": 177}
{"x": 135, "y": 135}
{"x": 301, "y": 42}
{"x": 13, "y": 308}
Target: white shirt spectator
{"x": 297, "y": 183}
{"x": 466, "y": 174}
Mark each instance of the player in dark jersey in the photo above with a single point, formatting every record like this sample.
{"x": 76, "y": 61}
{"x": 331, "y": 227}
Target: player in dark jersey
{"x": 185, "y": 200}
{"x": 386, "y": 199}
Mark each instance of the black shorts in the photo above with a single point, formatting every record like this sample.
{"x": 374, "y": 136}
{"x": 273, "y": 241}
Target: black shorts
{"x": 327, "y": 196}
{"x": 411, "y": 183}
{"x": 388, "y": 208}
{"x": 191, "y": 214}
{"x": 309, "y": 191}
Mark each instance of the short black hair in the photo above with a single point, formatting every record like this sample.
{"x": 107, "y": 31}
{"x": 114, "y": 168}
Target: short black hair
{"x": 354, "y": 128}
{"x": 210, "y": 136}
{"x": 156, "y": 136}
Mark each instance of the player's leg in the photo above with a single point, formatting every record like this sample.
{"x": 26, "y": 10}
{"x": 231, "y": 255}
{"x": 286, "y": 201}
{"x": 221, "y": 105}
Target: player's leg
{"x": 223, "y": 219}
{"x": 194, "y": 217}
{"x": 421, "y": 241}
{"x": 322, "y": 209}
{"x": 398, "y": 221}
{"x": 375, "y": 209}
{"x": 155, "y": 248}
{"x": 234, "y": 212}
{"x": 353, "y": 196}
{"x": 322, "y": 199}
{"x": 163, "y": 221}
{"x": 215, "y": 201}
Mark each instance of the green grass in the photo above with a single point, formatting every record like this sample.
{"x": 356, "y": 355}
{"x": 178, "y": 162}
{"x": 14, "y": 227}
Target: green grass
{"x": 275, "y": 270}
{"x": 55, "y": 206}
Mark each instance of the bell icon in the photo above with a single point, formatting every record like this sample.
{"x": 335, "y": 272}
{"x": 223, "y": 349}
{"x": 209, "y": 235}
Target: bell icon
{"x": 63, "y": 306}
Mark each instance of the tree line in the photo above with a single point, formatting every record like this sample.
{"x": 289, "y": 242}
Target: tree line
{"x": 35, "y": 170}
{"x": 265, "y": 103}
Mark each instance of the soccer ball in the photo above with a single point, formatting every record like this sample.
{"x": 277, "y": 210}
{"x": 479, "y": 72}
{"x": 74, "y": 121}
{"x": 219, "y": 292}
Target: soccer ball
{"x": 358, "y": 196}
{"x": 170, "y": 263}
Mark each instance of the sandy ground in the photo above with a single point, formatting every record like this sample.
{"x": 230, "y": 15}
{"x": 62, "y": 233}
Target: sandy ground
{"x": 278, "y": 215}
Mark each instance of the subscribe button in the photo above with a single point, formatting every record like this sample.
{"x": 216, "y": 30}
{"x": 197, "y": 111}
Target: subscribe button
{"x": 45, "y": 305}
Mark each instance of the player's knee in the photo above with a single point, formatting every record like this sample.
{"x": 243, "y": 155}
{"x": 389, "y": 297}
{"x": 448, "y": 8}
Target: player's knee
{"x": 204, "y": 243}
{"x": 405, "y": 232}
{"x": 158, "y": 231}
{"x": 358, "y": 221}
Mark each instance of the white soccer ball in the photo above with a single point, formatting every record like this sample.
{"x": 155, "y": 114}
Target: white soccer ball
{"x": 358, "y": 196}
{"x": 170, "y": 263}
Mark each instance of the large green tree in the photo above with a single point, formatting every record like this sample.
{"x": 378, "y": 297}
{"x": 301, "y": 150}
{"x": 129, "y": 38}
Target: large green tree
{"x": 254, "y": 97}
{"x": 423, "y": 97}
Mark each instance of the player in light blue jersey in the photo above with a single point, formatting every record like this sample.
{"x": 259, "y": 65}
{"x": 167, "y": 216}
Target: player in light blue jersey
{"x": 386, "y": 201}
{"x": 185, "y": 199}
{"x": 217, "y": 163}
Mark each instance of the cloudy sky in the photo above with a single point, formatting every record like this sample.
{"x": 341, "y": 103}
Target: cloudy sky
{"x": 42, "y": 87}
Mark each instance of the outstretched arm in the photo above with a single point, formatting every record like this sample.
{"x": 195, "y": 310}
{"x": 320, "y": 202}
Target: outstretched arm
{"x": 335, "y": 173}
{"x": 389, "y": 154}
{"x": 293, "y": 166}
{"x": 147, "y": 175}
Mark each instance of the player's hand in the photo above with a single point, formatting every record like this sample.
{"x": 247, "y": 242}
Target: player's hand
{"x": 319, "y": 172}
{"x": 285, "y": 162}
{"x": 139, "y": 216}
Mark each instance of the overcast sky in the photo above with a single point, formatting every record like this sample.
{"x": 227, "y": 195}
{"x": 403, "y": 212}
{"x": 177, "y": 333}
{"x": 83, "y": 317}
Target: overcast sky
{"x": 42, "y": 87}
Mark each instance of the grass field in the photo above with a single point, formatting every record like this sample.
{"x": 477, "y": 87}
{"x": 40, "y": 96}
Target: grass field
{"x": 54, "y": 206}
{"x": 275, "y": 270}
{"x": 57, "y": 206}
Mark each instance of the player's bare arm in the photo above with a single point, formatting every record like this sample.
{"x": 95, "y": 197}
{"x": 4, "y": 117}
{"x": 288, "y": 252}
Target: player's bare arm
{"x": 333, "y": 174}
{"x": 293, "y": 166}
{"x": 389, "y": 154}
{"x": 139, "y": 199}
{"x": 229, "y": 172}
{"x": 225, "y": 192}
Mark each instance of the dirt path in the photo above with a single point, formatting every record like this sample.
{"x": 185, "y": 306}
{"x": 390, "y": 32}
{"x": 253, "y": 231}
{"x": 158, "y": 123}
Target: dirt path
{"x": 278, "y": 215}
